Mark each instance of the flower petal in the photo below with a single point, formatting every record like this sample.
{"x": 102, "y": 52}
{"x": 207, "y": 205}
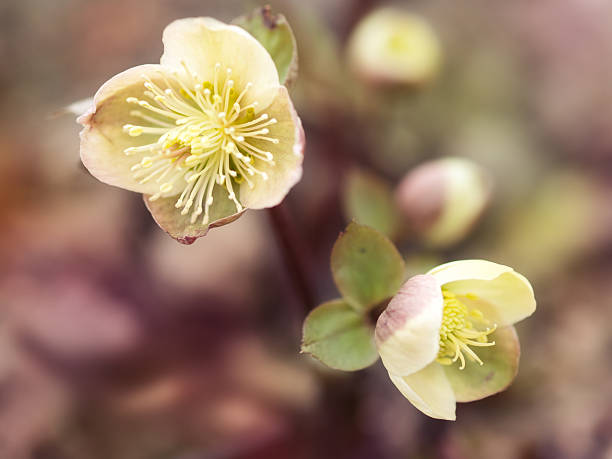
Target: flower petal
{"x": 201, "y": 43}
{"x": 500, "y": 365}
{"x": 170, "y": 219}
{"x": 407, "y": 332}
{"x": 429, "y": 391}
{"x": 468, "y": 269}
{"x": 502, "y": 295}
{"x": 288, "y": 155}
{"x": 103, "y": 140}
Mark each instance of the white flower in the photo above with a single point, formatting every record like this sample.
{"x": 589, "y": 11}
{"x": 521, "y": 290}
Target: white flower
{"x": 447, "y": 336}
{"x": 206, "y": 133}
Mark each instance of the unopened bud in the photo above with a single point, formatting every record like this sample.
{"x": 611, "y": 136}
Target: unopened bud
{"x": 442, "y": 200}
{"x": 392, "y": 46}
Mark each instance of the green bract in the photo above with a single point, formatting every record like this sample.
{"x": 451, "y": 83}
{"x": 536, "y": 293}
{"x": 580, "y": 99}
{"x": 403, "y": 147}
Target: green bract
{"x": 339, "y": 336}
{"x": 367, "y": 269}
{"x": 206, "y": 134}
{"x": 275, "y": 34}
{"x": 366, "y": 266}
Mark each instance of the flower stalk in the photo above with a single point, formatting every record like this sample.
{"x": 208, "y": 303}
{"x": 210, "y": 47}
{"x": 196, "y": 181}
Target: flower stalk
{"x": 295, "y": 256}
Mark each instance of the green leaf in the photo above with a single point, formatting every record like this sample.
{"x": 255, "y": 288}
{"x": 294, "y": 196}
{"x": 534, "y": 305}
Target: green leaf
{"x": 366, "y": 266}
{"x": 275, "y": 34}
{"x": 500, "y": 365}
{"x": 368, "y": 200}
{"x": 339, "y": 336}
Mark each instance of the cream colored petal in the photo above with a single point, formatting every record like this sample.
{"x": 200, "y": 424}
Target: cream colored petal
{"x": 499, "y": 368}
{"x": 468, "y": 269}
{"x": 503, "y": 295}
{"x": 201, "y": 43}
{"x": 288, "y": 155}
{"x": 429, "y": 391}
{"x": 504, "y": 300}
{"x": 407, "y": 332}
{"x": 103, "y": 140}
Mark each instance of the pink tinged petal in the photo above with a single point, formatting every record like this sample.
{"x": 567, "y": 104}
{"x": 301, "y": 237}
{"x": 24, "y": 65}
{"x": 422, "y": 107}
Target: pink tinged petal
{"x": 407, "y": 332}
{"x": 203, "y": 42}
{"x": 429, "y": 391}
{"x": 287, "y": 154}
{"x": 103, "y": 139}
{"x": 502, "y": 295}
{"x": 169, "y": 218}
{"x": 500, "y": 365}
{"x": 420, "y": 196}
{"x": 443, "y": 199}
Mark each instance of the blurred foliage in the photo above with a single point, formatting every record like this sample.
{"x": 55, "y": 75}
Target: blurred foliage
{"x": 368, "y": 199}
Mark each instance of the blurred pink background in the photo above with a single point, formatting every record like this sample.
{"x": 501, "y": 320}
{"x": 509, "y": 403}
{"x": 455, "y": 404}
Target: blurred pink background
{"x": 118, "y": 343}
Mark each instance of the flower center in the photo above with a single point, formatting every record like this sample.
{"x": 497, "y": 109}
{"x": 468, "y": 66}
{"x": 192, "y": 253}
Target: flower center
{"x": 206, "y": 135}
{"x": 461, "y": 328}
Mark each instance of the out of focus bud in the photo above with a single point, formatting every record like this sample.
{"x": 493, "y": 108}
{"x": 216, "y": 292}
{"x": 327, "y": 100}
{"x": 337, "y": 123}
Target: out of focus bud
{"x": 442, "y": 200}
{"x": 392, "y": 46}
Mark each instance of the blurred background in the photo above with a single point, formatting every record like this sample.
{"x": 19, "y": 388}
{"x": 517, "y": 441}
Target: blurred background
{"x": 116, "y": 342}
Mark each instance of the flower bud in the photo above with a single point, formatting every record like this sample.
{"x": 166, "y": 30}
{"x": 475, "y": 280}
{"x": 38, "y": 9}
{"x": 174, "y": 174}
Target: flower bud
{"x": 392, "y": 46}
{"x": 442, "y": 200}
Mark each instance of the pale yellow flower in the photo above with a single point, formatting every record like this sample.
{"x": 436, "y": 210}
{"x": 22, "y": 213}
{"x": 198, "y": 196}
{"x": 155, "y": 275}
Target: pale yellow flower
{"x": 207, "y": 133}
{"x": 393, "y": 46}
{"x": 443, "y": 199}
{"x": 447, "y": 336}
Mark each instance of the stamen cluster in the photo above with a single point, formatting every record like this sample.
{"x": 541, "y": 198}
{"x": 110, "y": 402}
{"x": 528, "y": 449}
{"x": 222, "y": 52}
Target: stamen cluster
{"x": 205, "y": 136}
{"x": 458, "y": 331}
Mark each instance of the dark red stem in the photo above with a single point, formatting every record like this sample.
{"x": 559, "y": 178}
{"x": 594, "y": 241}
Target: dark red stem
{"x": 295, "y": 256}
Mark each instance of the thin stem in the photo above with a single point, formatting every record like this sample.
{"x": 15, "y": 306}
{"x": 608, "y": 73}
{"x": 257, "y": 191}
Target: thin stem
{"x": 294, "y": 254}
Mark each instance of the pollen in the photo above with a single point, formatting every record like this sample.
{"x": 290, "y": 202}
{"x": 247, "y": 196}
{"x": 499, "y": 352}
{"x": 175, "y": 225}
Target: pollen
{"x": 462, "y": 329}
{"x": 201, "y": 134}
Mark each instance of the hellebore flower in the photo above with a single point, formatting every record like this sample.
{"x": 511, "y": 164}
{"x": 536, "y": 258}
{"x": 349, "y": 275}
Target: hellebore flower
{"x": 392, "y": 46}
{"x": 447, "y": 336}
{"x": 207, "y": 133}
{"x": 442, "y": 200}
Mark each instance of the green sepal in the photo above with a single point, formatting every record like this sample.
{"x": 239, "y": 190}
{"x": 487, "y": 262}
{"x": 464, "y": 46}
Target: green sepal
{"x": 275, "y": 34}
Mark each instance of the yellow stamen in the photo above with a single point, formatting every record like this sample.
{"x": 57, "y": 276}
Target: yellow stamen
{"x": 206, "y": 134}
{"x": 458, "y": 332}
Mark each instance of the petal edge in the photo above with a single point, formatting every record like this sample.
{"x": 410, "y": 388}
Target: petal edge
{"x": 429, "y": 391}
{"x": 407, "y": 332}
